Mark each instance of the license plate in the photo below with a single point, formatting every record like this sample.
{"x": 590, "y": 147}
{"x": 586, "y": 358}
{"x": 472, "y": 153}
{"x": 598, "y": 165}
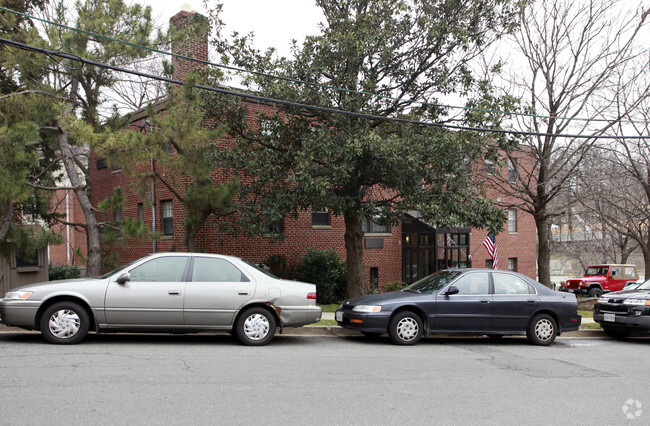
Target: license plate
{"x": 339, "y": 316}
{"x": 610, "y": 317}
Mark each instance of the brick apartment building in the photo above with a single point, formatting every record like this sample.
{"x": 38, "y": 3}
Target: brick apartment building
{"x": 401, "y": 253}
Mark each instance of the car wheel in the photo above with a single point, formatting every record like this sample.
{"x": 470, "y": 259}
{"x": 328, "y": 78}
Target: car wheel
{"x": 405, "y": 328}
{"x": 255, "y": 327}
{"x": 616, "y": 333}
{"x": 595, "y": 292}
{"x": 65, "y": 323}
{"x": 542, "y": 330}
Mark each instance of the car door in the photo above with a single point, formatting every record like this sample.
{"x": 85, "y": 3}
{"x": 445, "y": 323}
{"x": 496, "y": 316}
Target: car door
{"x": 515, "y": 301}
{"x": 469, "y": 310}
{"x": 215, "y": 291}
{"x": 151, "y": 297}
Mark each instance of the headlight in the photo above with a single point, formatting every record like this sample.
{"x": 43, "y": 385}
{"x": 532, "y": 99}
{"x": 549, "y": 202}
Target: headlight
{"x": 637, "y": 302}
{"x": 18, "y": 295}
{"x": 366, "y": 308}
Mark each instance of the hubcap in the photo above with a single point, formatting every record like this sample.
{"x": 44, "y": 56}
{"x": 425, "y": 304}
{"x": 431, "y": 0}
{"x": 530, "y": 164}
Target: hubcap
{"x": 256, "y": 327}
{"x": 64, "y": 323}
{"x": 407, "y": 329}
{"x": 544, "y": 329}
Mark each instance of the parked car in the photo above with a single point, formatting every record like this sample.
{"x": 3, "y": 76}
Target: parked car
{"x": 464, "y": 301}
{"x": 600, "y": 279}
{"x": 165, "y": 292}
{"x": 624, "y": 312}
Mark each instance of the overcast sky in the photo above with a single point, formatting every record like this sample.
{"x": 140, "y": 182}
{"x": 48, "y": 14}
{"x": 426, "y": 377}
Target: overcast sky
{"x": 274, "y": 22}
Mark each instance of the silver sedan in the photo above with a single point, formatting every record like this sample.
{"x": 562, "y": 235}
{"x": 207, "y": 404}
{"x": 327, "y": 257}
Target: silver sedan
{"x": 165, "y": 292}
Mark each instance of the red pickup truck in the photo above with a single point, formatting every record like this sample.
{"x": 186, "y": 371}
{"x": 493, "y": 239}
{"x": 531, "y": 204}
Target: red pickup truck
{"x": 599, "y": 279}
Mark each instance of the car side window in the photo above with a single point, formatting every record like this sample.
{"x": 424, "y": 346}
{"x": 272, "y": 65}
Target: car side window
{"x": 510, "y": 284}
{"x": 208, "y": 269}
{"x": 473, "y": 283}
{"x": 162, "y": 269}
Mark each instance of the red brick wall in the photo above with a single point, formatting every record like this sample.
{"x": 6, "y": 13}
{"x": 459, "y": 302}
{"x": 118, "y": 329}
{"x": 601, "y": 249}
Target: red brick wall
{"x": 64, "y": 253}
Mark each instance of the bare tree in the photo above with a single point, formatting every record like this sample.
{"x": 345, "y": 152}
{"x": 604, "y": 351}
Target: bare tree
{"x": 573, "y": 52}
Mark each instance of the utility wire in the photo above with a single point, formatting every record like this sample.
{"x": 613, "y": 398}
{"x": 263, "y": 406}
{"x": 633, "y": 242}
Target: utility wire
{"x": 73, "y": 57}
{"x": 323, "y": 86}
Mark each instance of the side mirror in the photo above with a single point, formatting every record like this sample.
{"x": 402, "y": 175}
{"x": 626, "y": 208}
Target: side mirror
{"x": 123, "y": 278}
{"x": 452, "y": 290}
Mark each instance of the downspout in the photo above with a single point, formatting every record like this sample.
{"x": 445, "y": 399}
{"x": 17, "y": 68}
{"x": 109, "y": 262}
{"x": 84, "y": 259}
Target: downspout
{"x": 153, "y": 203}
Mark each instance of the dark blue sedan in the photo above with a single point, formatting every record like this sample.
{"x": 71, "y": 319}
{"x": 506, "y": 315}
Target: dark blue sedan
{"x": 464, "y": 301}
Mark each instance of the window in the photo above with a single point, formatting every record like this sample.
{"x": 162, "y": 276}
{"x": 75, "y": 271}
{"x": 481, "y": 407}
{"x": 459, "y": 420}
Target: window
{"x": 475, "y": 283}
{"x": 512, "y": 170}
{"x": 489, "y": 166}
{"x": 512, "y": 264}
{"x": 207, "y": 269}
{"x": 167, "y": 217}
{"x": 512, "y": 220}
{"x": 489, "y": 264}
{"x": 162, "y": 269}
{"x": 101, "y": 164}
{"x": 372, "y": 227}
{"x": 27, "y": 260}
{"x": 511, "y": 284}
{"x": 271, "y": 227}
{"x": 141, "y": 213}
{"x": 374, "y": 278}
{"x": 320, "y": 217}
{"x": 118, "y": 221}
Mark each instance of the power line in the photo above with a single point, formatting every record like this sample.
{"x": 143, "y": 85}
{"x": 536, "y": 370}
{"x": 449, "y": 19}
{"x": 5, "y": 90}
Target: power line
{"x": 323, "y": 86}
{"x": 73, "y": 57}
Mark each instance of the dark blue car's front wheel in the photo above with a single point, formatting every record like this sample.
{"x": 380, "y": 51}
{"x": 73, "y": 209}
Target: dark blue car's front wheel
{"x": 405, "y": 328}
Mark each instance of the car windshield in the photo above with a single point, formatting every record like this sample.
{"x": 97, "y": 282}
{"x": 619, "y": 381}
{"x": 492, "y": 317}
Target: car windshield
{"x": 114, "y": 271}
{"x": 259, "y": 268}
{"x": 597, "y": 270}
{"x": 644, "y": 286}
{"x": 432, "y": 283}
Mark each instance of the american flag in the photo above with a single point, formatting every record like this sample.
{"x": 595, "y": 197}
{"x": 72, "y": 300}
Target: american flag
{"x": 490, "y": 244}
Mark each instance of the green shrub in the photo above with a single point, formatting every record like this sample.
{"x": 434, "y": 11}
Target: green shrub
{"x": 394, "y": 286}
{"x": 277, "y": 264}
{"x": 63, "y": 272}
{"x": 327, "y": 271}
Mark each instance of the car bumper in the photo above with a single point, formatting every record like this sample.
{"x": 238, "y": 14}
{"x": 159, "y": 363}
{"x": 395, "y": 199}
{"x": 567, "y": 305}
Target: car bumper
{"x": 570, "y": 323}
{"x": 18, "y": 313}
{"x": 640, "y": 324}
{"x": 292, "y": 316}
{"x": 369, "y": 323}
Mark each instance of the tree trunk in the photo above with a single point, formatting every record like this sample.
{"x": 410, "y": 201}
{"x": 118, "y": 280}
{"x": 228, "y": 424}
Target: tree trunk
{"x": 6, "y": 221}
{"x": 354, "y": 256}
{"x": 94, "y": 263}
{"x": 543, "y": 251}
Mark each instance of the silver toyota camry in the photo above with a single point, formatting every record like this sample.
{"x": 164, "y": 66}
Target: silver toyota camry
{"x": 165, "y": 292}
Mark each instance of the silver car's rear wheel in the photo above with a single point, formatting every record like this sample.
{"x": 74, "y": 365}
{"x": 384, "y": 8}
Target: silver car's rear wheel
{"x": 65, "y": 323}
{"x": 255, "y": 326}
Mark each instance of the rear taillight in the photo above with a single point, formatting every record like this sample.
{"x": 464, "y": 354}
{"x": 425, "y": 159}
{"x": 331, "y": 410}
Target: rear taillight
{"x": 311, "y": 295}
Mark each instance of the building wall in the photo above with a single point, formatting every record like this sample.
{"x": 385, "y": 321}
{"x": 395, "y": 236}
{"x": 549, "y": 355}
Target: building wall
{"x": 74, "y": 242}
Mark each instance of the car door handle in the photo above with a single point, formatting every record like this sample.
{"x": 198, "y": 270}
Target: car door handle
{"x": 485, "y": 301}
{"x": 243, "y": 293}
{"x": 174, "y": 292}
{"x": 532, "y": 301}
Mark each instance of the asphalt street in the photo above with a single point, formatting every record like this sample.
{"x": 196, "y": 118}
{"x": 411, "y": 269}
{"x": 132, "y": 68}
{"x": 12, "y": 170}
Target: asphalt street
{"x": 322, "y": 379}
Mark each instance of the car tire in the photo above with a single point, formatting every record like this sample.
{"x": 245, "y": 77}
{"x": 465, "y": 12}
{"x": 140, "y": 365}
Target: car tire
{"x": 405, "y": 328}
{"x": 616, "y": 333}
{"x": 255, "y": 327}
{"x": 542, "y": 330}
{"x": 65, "y": 323}
{"x": 595, "y": 292}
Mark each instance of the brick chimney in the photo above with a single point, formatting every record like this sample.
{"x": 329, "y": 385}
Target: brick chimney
{"x": 194, "y": 44}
